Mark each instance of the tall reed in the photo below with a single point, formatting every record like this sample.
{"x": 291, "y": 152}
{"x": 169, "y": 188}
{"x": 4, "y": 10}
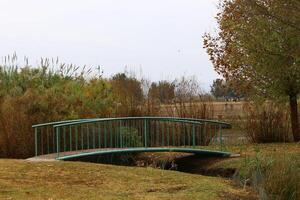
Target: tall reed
{"x": 267, "y": 122}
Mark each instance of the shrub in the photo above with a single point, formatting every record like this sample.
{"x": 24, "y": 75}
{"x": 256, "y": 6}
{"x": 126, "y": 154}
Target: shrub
{"x": 31, "y": 95}
{"x": 267, "y": 122}
{"x": 130, "y": 137}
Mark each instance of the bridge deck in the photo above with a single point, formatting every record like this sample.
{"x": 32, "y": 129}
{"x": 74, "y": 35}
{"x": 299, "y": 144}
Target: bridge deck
{"x": 91, "y": 152}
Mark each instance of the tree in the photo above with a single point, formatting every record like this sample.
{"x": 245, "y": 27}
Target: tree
{"x": 164, "y": 91}
{"x": 222, "y": 89}
{"x": 258, "y": 49}
{"x": 129, "y": 93}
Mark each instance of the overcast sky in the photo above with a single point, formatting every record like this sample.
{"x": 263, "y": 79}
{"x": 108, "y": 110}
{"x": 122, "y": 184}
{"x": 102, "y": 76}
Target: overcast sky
{"x": 161, "y": 38}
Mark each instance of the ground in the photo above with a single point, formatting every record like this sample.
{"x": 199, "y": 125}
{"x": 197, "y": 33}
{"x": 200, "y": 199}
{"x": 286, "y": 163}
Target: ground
{"x": 20, "y": 179}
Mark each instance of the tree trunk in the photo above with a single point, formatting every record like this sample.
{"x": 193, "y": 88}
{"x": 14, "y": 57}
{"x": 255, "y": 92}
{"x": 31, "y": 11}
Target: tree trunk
{"x": 294, "y": 118}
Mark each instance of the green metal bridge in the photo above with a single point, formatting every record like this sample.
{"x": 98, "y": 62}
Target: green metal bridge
{"x": 70, "y": 139}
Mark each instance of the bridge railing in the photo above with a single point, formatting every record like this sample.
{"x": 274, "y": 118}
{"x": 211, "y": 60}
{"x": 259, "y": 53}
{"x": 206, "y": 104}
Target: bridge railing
{"x": 128, "y": 132}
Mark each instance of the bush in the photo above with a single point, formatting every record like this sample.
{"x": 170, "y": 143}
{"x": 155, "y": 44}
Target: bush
{"x": 267, "y": 122}
{"x": 35, "y": 95}
{"x": 130, "y": 137}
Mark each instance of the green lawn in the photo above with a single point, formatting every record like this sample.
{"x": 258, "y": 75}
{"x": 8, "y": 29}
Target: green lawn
{"x": 21, "y": 179}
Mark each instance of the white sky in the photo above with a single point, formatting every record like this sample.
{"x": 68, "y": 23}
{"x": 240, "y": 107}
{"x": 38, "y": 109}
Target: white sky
{"x": 161, "y": 38}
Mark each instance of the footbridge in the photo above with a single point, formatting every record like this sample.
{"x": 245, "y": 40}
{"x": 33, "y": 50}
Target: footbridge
{"x": 70, "y": 139}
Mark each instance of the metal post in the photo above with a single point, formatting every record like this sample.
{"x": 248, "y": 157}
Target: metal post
{"x": 221, "y": 139}
{"x": 76, "y": 138}
{"x": 36, "y": 143}
{"x": 99, "y": 136}
{"x": 81, "y": 127}
{"x": 88, "y": 136}
{"x": 145, "y": 132}
{"x": 157, "y": 133}
{"x": 94, "y": 142}
{"x": 105, "y": 135}
{"x": 70, "y": 135}
{"x": 173, "y": 135}
{"x": 168, "y": 134}
{"x": 184, "y": 133}
{"x": 111, "y": 134}
{"x": 48, "y": 142}
{"x": 64, "y": 135}
{"x": 57, "y": 142}
{"x": 194, "y": 138}
{"x": 204, "y": 134}
{"x": 120, "y": 134}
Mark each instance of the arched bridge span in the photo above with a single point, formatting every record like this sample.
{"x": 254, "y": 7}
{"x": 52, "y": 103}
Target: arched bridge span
{"x": 69, "y": 139}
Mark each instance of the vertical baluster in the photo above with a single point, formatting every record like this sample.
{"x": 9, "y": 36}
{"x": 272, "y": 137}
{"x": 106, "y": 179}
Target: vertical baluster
{"x": 163, "y": 133}
{"x": 178, "y": 134}
{"x": 99, "y": 135}
{"x": 105, "y": 134}
{"x": 57, "y": 141}
{"x": 48, "y": 142}
{"x": 88, "y": 136}
{"x": 145, "y": 132}
{"x": 70, "y": 134}
{"x": 111, "y": 134}
{"x": 168, "y": 133}
{"x": 221, "y": 139}
{"x": 42, "y": 140}
{"x": 120, "y": 134}
{"x": 173, "y": 133}
{"x": 157, "y": 133}
{"x": 76, "y": 137}
{"x": 36, "y": 140}
{"x": 215, "y": 132}
{"x": 53, "y": 140}
{"x": 141, "y": 133}
{"x": 184, "y": 133}
{"x": 81, "y": 127}
{"x": 94, "y": 139}
{"x": 204, "y": 134}
{"x": 189, "y": 134}
{"x": 64, "y": 135}
{"x": 130, "y": 130}
{"x": 200, "y": 135}
{"x": 193, "y": 132}
{"x": 129, "y": 134}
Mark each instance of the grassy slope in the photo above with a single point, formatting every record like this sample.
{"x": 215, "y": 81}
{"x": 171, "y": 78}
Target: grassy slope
{"x": 69, "y": 180}
{"x": 250, "y": 151}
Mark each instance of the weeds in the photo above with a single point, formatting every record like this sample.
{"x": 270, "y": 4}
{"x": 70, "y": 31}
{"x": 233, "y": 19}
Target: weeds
{"x": 274, "y": 177}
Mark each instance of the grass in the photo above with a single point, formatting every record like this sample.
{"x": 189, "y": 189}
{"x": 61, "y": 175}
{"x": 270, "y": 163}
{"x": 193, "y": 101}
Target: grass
{"x": 249, "y": 151}
{"x": 273, "y": 170}
{"x": 20, "y": 179}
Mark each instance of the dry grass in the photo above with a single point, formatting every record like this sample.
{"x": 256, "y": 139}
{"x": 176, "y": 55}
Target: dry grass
{"x": 21, "y": 179}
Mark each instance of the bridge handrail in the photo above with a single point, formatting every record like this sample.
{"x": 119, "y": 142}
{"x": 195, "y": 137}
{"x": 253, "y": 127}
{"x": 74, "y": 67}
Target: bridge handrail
{"x": 59, "y": 122}
{"x": 174, "y": 119}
